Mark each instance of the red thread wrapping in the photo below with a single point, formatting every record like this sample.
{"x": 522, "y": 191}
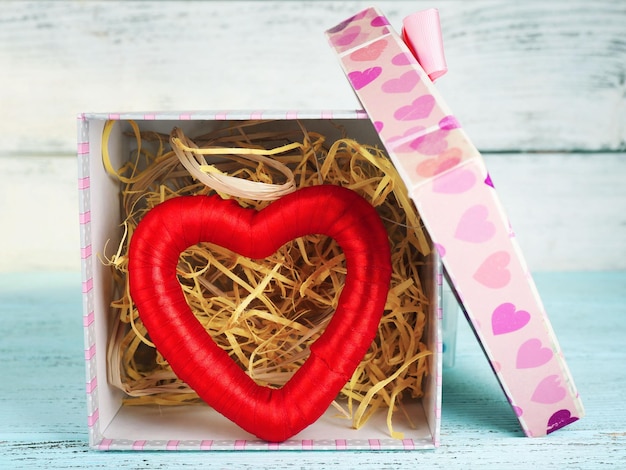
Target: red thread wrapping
{"x": 171, "y": 227}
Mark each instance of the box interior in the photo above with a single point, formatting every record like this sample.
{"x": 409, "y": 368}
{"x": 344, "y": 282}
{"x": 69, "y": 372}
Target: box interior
{"x": 129, "y": 424}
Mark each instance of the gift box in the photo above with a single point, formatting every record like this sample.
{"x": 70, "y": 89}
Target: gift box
{"x": 449, "y": 183}
{"x": 471, "y": 237}
{"x": 115, "y": 425}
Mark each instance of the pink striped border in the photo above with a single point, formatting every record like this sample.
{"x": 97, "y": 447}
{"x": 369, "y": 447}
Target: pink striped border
{"x": 88, "y": 319}
{"x": 139, "y": 445}
{"x": 90, "y": 353}
{"x": 91, "y": 386}
{"x": 84, "y": 183}
{"x": 341, "y": 444}
{"x": 105, "y": 444}
{"x": 172, "y": 445}
{"x": 87, "y": 285}
{"x": 83, "y": 148}
{"x": 374, "y": 444}
{"x": 93, "y": 418}
{"x": 85, "y": 252}
{"x": 84, "y": 217}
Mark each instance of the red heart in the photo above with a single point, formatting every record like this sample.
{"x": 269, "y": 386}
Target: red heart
{"x": 171, "y": 227}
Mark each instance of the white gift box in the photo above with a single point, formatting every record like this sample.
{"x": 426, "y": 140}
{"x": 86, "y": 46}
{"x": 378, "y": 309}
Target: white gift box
{"x": 115, "y": 426}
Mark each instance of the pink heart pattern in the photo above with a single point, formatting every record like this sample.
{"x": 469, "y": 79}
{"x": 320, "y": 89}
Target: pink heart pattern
{"x": 559, "y": 419}
{"x": 405, "y": 83}
{"x": 360, "y": 79}
{"x": 379, "y": 21}
{"x": 493, "y": 272}
{"x": 456, "y": 198}
{"x": 549, "y": 391}
{"x": 439, "y": 164}
{"x": 347, "y": 37}
{"x": 403, "y": 59}
{"x": 420, "y": 108}
{"x": 433, "y": 143}
{"x": 369, "y": 53}
{"x": 474, "y": 226}
{"x": 455, "y": 181}
{"x": 532, "y": 354}
{"x": 507, "y": 319}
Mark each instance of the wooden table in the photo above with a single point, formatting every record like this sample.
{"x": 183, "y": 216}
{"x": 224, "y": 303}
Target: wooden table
{"x": 43, "y": 421}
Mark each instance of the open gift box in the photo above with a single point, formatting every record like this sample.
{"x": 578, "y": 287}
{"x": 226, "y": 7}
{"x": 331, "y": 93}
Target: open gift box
{"x": 448, "y": 182}
{"x": 115, "y": 425}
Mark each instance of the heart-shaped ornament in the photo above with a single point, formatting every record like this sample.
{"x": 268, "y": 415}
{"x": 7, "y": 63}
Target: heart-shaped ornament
{"x": 171, "y": 227}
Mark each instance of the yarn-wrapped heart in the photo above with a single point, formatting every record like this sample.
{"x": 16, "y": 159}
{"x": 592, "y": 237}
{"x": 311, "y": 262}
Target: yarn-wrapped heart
{"x": 178, "y": 223}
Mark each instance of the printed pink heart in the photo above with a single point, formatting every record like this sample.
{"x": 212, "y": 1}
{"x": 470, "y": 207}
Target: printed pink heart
{"x": 403, "y": 84}
{"x": 448, "y": 123}
{"x": 493, "y": 273}
{"x": 474, "y": 227}
{"x": 506, "y": 319}
{"x": 532, "y": 354}
{"x": 379, "y": 21}
{"x": 441, "y": 250}
{"x": 340, "y": 27}
{"x": 403, "y": 59}
{"x": 348, "y": 36}
{"x": 360, "y": 79}
{"x": 371, "y": 52}
{"x": 433, "y": 143}
{"x": 560, "y": 419}
{"x": 378, "y": 125}
{"x": 456, "y": 181}
{"x": 418, "y": 109}
{"x": 549, "y": 391}
{"x": 433, "y": 166}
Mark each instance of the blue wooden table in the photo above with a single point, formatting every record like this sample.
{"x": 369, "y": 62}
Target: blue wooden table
{"x": 43, "y": 420}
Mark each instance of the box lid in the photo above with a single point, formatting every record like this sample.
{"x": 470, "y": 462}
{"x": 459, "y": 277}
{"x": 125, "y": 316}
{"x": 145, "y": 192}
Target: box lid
{"x": 447, "y": 179}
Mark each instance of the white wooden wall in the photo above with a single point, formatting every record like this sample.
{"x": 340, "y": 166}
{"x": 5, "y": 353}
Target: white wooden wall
{"x": 540, "y": 86}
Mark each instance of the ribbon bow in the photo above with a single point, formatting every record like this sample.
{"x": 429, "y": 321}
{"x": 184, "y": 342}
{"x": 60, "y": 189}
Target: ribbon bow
{"x": 422, "y": 33}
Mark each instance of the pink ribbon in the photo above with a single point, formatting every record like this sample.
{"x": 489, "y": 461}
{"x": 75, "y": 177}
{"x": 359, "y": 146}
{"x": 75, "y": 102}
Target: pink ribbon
{"x": 422, "y": 33}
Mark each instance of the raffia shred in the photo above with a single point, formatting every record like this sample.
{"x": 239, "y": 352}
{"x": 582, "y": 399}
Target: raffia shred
{"x": 265, "y": 313}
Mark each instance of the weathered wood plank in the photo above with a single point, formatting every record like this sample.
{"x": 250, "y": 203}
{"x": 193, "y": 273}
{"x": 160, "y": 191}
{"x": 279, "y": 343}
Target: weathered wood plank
{"x": 568, "y": 210}
{"x": 42, "y": 392}
{"x": 523, "y": 75}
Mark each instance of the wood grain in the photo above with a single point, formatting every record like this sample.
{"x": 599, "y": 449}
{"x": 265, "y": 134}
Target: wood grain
{"x": 568, "y": 210}
{"x": 539, "y": 86}
{"x": 523, "y": 75}
{"x": 43, "y": 416}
